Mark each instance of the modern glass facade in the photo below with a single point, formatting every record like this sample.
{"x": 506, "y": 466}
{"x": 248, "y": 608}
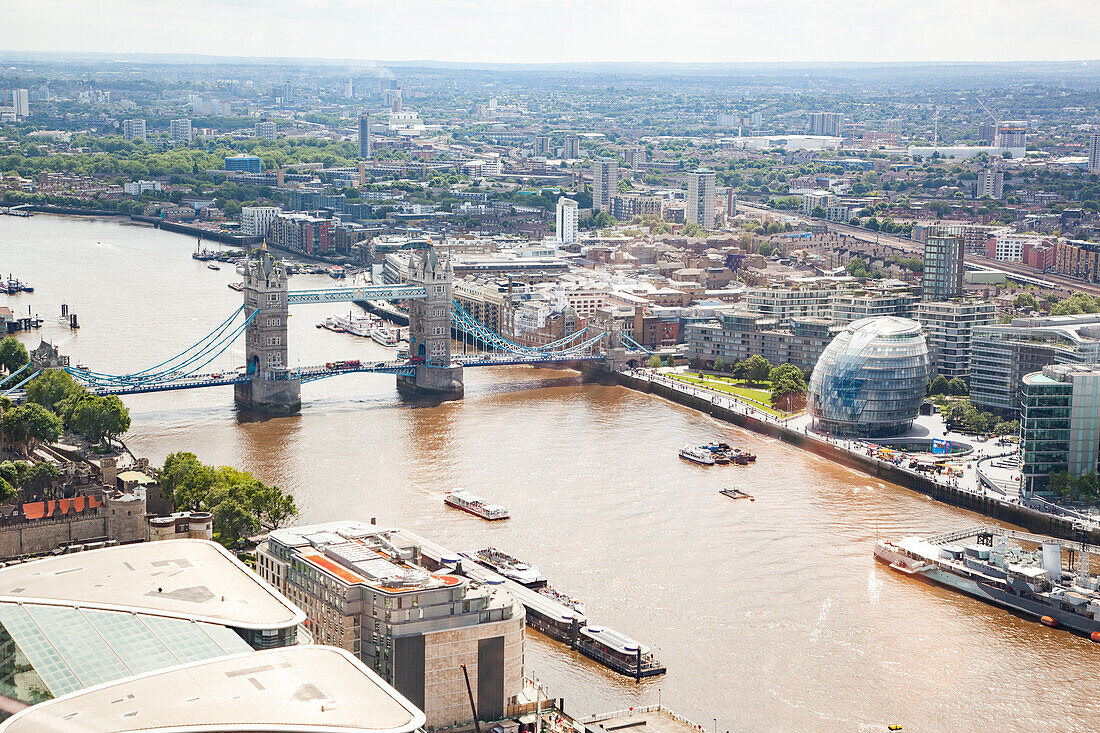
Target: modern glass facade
{"x": 1060, "y": 423}
{"x": 870, "y": 381}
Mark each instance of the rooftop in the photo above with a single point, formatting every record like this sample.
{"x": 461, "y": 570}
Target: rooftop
{"x": 885, "y": 326}
{"x": 189, "y": 579}
{"x": 305, "y": 689}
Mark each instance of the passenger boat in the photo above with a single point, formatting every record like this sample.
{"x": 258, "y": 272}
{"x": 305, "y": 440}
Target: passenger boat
{"x": 567, "y": 601}
{"x": 212, "y": 266}
{"x": 385, "y": 336}
{"x": 238, "y": 287}
{"x": 736, "y": 494}
{"x": 989, "y": 564}
{"x": 467, "y": 502}
{"x": 331, "y": 325}
{"x": 510, "y": 567}
{"x": 697, "y": 454}
{"x": 336, "y": 272}
{"x": 618, "y": 651}
{"x": 355, "y": 325}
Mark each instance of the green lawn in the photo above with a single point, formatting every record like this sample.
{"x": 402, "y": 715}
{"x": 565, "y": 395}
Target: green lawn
{"x": 759, "y": 398}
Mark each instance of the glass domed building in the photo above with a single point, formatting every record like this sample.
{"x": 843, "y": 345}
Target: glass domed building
{"x": 871, "y": 379}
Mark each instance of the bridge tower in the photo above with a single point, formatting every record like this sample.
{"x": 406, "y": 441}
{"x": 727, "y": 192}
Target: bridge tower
{"x": 430, "y": 329}
{"x": 271, "y": 389}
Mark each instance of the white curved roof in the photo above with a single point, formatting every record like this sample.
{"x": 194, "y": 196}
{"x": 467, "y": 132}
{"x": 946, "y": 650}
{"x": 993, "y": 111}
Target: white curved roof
{"x": 885, "y": 326}
{"x": 301, "y": 689}
{"x": 189, "y": 579}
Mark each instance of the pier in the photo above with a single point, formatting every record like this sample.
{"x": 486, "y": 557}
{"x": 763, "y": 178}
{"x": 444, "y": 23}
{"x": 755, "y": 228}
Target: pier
{"x": 557, "y": 621}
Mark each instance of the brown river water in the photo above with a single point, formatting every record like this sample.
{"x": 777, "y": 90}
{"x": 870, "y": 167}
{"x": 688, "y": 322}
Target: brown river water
{"x": 770, "y": 615}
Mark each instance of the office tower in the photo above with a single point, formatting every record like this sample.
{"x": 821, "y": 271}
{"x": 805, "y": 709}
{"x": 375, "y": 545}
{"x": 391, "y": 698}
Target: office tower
{"x": 365, "y": 142}
{"x": 605, "y": 183}
{"x": 1058, "y": 423}
{"x": 991, "y": 183}
{"x": 244, "y": 163}
{"x": 133, "y": 130}
{"x": 1094, "y": 152}
{"x": 265, "y": 130}
{"x": 731, "y": 203}
{"x": 571, "y": 150}
{"x": 349, "y": 89}
{"x": 700, "y": 198}
{"x": 542, "y": 145}
{"x": 567, "y": 220}
{"x": 826, "y": 123}
{"x": 1011, "y": 135}
{"x": 943, "y": 263}
{"x": 20, "y": 100}
{"x": 179, "y": 131}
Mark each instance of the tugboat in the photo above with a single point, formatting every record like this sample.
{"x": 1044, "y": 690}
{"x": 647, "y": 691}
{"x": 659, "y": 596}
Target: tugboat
{"x": 697, "y": 454}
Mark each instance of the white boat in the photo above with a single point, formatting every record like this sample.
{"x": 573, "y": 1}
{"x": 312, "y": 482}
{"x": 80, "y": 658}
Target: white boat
{"x": 510, "y": 567}
{"x": 567, "y": 601}
{"x": 474, "y": 504}
{"x": 385, "y": 336}
{"x": 697, "y": 454}
{"x": 356, "y": 325}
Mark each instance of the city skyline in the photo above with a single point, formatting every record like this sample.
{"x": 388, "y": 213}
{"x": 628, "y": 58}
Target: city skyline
{"x": 496, "y": 31}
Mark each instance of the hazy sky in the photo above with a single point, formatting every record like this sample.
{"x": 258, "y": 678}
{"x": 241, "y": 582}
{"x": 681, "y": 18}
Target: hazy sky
{"x": 566, "y": 30}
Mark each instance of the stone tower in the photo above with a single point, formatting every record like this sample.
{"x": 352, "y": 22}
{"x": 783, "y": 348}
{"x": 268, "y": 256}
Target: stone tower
{"x": 430, "y": 329}
{"x": 271, "y": 389}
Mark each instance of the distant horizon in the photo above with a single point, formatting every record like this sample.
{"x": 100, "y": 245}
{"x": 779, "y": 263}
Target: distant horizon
{"x": 366, "y": 63}
{"x": 479, "y": 32}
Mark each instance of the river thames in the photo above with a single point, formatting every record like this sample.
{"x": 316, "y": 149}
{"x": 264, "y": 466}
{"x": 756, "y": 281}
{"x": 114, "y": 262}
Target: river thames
{"x": 769, "y": 614}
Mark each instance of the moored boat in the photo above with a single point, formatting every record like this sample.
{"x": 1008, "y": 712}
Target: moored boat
{"x": 510, "y": 567}
{"x": 385, "y": 336}
{"x": 474, "y": 504}
{"x": 696, "y": 454}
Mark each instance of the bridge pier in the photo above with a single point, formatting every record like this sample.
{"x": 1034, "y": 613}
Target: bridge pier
{"x": 430, "y": 330}
{"x": 271, "y": 390}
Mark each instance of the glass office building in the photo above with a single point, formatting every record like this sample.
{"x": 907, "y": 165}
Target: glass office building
{"x": 1060, "y": 423}
{"x": 870, "y": 381}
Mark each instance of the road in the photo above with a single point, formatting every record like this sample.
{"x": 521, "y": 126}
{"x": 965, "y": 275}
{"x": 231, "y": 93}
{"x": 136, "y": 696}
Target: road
{"x": 916, "y": 248}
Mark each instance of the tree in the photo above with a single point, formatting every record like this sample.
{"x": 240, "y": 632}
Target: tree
{"x": 670, "y": 361}
{"x": 186, "y": 482}
{"x": 30, "y": 424}
{"x": 51, "y": 388}
{"x": 719, "y": 365}
{"x": 780, "y": 372}
{"x": 1024, "y": 300}
{"x": 789, "y": 393}
{"x": 37, "y": 478}
{"x": 957, "y": 386}
{"x": 273, "y": 506}
{"x": 233, "y": 521}
{"x": 13, "y": 354}
{"x": 818, "y": 212}
{"x": 654, "y": 362}
{"x": 1006, "y": 427}
{"x": 96, "y": 418}
{"x": 756, "y": 369}
{"x": 939, "y": 385}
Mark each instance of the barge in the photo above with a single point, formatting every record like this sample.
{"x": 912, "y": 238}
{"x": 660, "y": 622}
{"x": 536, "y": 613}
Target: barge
{"x": 992, "y": 564}
{"x": 474, "y": 504}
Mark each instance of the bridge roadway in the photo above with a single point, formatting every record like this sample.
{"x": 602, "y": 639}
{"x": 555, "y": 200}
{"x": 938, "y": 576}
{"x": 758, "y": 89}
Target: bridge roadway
{"x": 353, "y": 293}
{"x": 333, "y": 369}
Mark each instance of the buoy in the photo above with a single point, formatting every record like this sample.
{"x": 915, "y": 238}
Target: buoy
{"x": 1049, "y": 621}
{"x": 1095, "y": 636}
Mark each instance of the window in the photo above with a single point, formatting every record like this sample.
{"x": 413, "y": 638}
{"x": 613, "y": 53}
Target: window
{"x": 272, "y": 297}
{"x": 273, "y": 322}
{"x": 274, "y": 340}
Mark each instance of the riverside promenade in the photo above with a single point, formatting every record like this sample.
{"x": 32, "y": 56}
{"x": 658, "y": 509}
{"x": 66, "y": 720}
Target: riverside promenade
{"x": 986, "y": 485}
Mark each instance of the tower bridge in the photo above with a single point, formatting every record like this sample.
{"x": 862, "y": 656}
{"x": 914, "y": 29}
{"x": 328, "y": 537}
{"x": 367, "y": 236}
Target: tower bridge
{"x": 268, "y": 384}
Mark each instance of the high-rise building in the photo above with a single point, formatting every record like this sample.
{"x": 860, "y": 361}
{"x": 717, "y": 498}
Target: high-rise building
{"x": 133, "y": 130}
{"x": 265, "y": 130}
{"x": 1060, "y": 423}
{"x": 567, "y": 218}
{"x": 244, "y": 163}
{"x": 542, "y": 145}
{"x": 179, "y": 131}
{"x": 255, "y": 220}
{"x": 991, "y": 183}
{"x": 700, "y": 198}
{"x": 365, "y": 141}
{"x": 731, "y": 203}
{"x": 1094, "y": 152}
{"x": 1011, "y": 135}
{"x": 405, "y": 611}
{"x": 949, "y": 328}
{"x": 987, "y": 132}
{"x": 571, "y": 149}
{"x": 605, "y": 183}
{"x": 349, "y": 89}
{"x": 635, "y": 156}
{"x": 826, "y": 123}
{"x": 20, "y": 100}
{"x": 943, "y": 263}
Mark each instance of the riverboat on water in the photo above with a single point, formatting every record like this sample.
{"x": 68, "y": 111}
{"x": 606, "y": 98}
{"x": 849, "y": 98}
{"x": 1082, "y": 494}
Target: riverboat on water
{"x": 510, "y": 567}
{"x": 992, "y": 564}
{"x": 568, "y": 601}
{"x": 386, "y": 336}
{"x": 619, "y": 652}
{"x": 736, "y": 494}
{"x": 474, "y": 504}
{"x": 697, "y": 454}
